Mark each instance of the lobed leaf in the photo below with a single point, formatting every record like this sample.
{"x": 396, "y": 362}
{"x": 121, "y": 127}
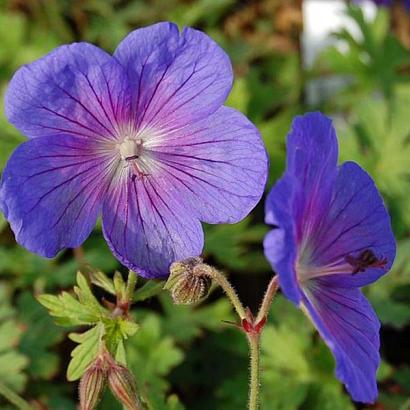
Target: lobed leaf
{"x": 85, "y": 352}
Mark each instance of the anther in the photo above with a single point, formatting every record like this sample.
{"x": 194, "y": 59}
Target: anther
{"x": 366, "y": 259}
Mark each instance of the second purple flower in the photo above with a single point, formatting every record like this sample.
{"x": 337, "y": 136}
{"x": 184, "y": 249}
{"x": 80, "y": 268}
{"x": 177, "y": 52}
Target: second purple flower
{"x": 332, "y": 236}
{"x": 140, "y": 138}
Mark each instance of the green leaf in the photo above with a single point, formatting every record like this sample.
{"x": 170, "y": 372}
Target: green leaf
{"x": 173, "y": 403}
{"x": 119, "y": 285}
{"x": 185, "y": 322}
{"x": 85, "y": 352}
{"x": 130, "y": 287}
{"x": 84, "y": 294}
{"x": 384, "y": 372}
{"x": 239, "y": 96}
{"x": 379, "y": 142}
{"x": 198, "y": 11}
{"x": 390, "y": 296}
{"x": 12, "y": 365}
{"x": 380, "y": 26}
{"x": 148, "y": 290}
{"x": 151, "y": 353}
{"x": 156, "y": 399}
{"x": 12, "y": 362}
{"x": 231, "y": 245}
{"x": 101, "y": 280}
{"x": 3, "y": 221}
{"x": 294, "y": 360}
{"x": 371, "y": 61}
{"x": 328, "y": 396}
{"x": 68, "y": 311}
{"x": 120, "y": 355}
{"x": 40, "y": 337}
{"x": 9, "y": 334}
{"x": 118, "y": 330}
{"x": 114, "y": 325}
{"x": 285, "y": 351}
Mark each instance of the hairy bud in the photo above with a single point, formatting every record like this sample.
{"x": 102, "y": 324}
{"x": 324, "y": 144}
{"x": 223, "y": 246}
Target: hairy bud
{"x": 188, "y": 281}
{"x": 122, "y": 385}
{"x": 92, "y": 385}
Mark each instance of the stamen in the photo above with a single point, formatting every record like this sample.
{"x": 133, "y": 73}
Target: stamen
{"x": 343, "y": 266}
{"x": 136, "y": 172}
{"x": 306, "y": 272}
{"x": 135, "y": 152}
{"x": 131, "y": 150}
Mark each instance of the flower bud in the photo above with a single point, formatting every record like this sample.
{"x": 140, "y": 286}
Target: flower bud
{"x": 92, "y": 385}
{"x": 122, "y": 386}
{"x": 188, "y": 282}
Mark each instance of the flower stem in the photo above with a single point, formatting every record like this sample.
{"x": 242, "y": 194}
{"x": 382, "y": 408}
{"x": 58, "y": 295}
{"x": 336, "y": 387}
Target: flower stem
{"x": 254, "y": 383}
{"x": 268, "y": 298}
{"x": 228, "y": 289}
{"x": 14, "y": 398}
{"x": 79, "y": 257}
{"x": 252, "y": 326}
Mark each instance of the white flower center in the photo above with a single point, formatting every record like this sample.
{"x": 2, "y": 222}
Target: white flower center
{"x": 130, "y": 149}
{"x": 135, "y": 150}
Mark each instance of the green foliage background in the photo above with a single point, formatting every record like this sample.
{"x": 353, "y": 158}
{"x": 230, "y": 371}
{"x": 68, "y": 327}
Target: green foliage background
{"x": 184, "y": 357}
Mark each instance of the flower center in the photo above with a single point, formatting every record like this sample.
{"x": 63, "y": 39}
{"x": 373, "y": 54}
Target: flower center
{"x": 135, "y": 151}
{"x": 349, "y": 264}
{"x": 130, "y": 149}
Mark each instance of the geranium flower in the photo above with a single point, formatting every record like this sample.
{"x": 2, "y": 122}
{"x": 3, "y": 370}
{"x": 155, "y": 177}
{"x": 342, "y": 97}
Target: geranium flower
{"x": 140, "y": 137}
{"x": 332, "y": 236}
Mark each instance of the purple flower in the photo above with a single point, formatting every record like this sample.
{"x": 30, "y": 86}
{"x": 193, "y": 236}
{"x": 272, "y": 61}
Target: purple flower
{"x": 388, "y": 3}
{"x": 140, "y": 138}
{"x": 385, "y": 3}
{"x": 332, "y": 236}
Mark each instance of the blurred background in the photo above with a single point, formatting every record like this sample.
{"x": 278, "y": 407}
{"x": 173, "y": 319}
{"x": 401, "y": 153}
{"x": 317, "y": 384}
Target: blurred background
{"x": 289, "y": 57}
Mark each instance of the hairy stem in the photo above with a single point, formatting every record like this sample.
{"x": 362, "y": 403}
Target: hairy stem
{"x": 253, "y": 327}
{"x": 228, "y": 289}
{"x": 254, "y": 383}
{"x": 14, "y": 398}
{"x": 267, "y": 299}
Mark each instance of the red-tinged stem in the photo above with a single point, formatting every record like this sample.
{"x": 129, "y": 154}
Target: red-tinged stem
{"x": 252, "y": 327}
{"x": 267, "y": 299}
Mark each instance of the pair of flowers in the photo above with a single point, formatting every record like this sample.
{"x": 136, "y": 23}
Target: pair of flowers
{"x": 143, "y": 138}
